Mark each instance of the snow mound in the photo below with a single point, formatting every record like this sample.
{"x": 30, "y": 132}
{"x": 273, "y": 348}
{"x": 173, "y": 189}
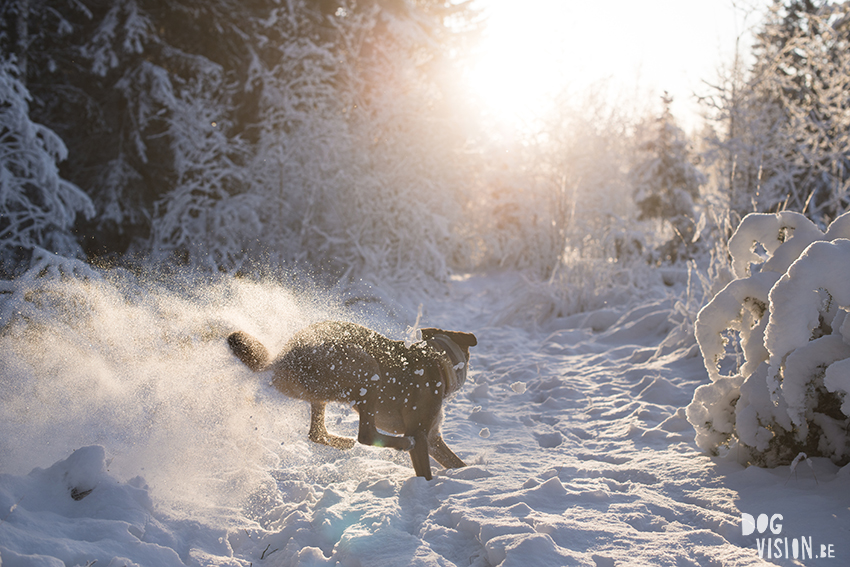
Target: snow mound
{"x": 76, "y": 513}
{"x": 786, "y": 390}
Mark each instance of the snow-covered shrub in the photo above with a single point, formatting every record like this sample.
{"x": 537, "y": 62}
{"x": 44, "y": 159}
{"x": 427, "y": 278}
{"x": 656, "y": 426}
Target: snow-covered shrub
{"x": 785, "y": 315}
{"x": 37, "y": 206}
{"x": 41, "y": 288}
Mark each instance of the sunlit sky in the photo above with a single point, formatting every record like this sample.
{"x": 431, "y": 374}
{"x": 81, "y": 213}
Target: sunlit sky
{"x": 533, "y": 48}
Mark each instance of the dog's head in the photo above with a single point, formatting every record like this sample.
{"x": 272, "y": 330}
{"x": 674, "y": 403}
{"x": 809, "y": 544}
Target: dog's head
{"x": 462, "y": 340}
{"x": 455, "y": 345}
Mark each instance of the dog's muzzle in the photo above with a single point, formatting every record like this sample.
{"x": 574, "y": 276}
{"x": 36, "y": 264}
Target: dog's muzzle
{"x": 456, "y": 373}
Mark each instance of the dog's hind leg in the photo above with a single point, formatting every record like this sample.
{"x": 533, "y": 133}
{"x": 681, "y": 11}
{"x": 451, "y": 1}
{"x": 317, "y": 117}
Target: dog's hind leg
{"x": 368, "y": 433}
{"x": 319, "y": 433}
{"x": 442, "y": 454}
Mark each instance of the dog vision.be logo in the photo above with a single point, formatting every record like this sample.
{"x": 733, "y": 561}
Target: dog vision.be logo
{"x": 771, "y": 544}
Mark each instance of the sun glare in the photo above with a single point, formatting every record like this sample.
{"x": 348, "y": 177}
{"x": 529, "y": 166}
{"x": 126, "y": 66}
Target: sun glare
{"x": 532, "y": 50}
{"x": 519, "y": 65}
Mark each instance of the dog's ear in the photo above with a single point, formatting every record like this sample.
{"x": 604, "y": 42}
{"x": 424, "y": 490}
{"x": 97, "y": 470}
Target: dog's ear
{"x": 461, "y": 339}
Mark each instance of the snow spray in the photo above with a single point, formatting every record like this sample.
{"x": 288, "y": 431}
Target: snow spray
{"x": 141, "y": 367}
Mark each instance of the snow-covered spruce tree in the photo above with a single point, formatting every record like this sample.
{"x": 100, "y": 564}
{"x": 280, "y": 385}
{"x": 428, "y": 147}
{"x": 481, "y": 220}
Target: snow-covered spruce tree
{"x": 208, "y": 219}
{"x": 787, "y": 389}
{"x": 75, "y": 53}
{"x": 37, "y": 206}
{"x": 667, "y": 183}
{"x": 104, "y": 77}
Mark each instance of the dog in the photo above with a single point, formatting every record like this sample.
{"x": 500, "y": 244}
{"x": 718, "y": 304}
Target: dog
{"x": 395, "y": 388}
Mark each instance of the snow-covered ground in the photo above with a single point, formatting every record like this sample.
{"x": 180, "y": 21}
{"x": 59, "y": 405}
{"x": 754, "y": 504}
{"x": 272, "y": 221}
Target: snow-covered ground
{"x": 154, "y": 446}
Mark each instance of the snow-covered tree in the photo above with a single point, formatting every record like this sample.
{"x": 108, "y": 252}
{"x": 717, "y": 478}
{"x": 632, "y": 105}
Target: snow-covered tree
{"x": 353, "y": 158}
{"x": 784, "y": 323}
{"x": 667, "y": 183}
{"x": 215, "y": 131}
{"x": 37, "y": 206}
{"x": 783, "y": 140}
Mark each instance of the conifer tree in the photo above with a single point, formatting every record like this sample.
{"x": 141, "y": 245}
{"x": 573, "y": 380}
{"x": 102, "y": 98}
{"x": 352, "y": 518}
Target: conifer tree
{"x": 667, "y": 183}
{"x": 37, "y": 206}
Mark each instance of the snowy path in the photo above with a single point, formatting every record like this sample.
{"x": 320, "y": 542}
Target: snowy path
{"x": 578, "y": 450}
{"x": 579, "y": 453}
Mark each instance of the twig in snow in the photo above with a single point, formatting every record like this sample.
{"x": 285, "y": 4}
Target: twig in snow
{"x": 793, "y": 468}
{"x": 12, "y": 509}
{"x": 263, "y": 554}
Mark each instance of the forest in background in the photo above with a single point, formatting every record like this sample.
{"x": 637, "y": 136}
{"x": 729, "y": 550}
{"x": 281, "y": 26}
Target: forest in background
{"x": 332, "y": 138}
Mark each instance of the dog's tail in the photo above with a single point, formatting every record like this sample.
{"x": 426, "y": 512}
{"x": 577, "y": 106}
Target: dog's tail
{"x": 249, "y": 350}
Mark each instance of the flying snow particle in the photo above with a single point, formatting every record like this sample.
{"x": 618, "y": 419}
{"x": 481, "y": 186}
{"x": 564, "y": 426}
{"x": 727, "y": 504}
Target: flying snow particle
{"x": 485, "y": 433}
{"x": 420, "y": 372}
{"x": 375, "y": 378}
{"x": 362, "y": 391}
{"x": 518, "y": 387}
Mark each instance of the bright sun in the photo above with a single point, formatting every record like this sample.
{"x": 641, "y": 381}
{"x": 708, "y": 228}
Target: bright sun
{"x": 534, "y": 49}
{"x": 519, "y": 63}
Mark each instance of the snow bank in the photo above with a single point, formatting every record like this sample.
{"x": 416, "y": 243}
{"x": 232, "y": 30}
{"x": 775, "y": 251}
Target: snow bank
{"x": 75, "y": 513}
{"x": 786, "y": 313}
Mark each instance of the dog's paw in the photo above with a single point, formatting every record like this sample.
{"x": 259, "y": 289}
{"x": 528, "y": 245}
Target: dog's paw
{"x": 343, "y": 443}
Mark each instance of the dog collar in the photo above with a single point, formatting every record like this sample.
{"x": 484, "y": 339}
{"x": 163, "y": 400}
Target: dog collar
{"x": 456, "y": 373}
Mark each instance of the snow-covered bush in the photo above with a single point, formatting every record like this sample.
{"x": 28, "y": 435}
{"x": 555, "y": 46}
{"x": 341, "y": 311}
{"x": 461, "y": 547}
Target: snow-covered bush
{"x": 37, "y": 206}
{"x": 786, "y": 317}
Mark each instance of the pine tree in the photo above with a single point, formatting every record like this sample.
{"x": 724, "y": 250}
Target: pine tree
{"x": 667, "y": 183}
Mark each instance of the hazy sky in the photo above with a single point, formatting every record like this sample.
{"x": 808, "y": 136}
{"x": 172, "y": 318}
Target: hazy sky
{"x": 533, "y": 47}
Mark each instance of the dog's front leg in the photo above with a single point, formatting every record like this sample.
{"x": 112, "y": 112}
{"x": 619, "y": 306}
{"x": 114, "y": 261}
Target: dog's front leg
{"x": 419, "y": 457}
{"x": 319, "y": 433}
{"x": 368, "y": 433}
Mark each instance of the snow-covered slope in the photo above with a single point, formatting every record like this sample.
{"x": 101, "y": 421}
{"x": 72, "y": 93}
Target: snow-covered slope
{"x": 578, "y": 447}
